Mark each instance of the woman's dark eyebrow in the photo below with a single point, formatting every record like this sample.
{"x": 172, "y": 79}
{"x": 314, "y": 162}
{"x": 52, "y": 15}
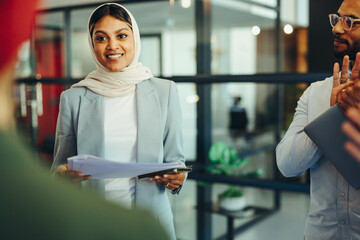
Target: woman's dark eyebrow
{"x": 122, "y": 29}
{"x": 99, "y": 31}
{"x": 117, "y": 31}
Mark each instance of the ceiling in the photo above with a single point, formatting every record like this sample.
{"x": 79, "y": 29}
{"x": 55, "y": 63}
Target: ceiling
{"x": 155, "y": 17}
{"x": 47, "y": 4}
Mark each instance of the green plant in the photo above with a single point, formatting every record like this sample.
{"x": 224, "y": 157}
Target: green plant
{"x": 231, "y": 192}
{"x": 225, "y": 160}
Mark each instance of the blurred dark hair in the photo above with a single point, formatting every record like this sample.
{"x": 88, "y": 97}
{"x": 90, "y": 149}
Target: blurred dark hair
{"x": 109, "y": 10}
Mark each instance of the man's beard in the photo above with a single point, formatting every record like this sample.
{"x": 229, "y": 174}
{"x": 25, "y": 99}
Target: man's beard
{"x": 351, "y": 54}
{"x": 350, "y": 51}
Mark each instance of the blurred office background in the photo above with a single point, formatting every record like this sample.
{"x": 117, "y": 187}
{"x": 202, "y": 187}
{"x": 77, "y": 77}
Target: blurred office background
{"x": 265, "y": 52}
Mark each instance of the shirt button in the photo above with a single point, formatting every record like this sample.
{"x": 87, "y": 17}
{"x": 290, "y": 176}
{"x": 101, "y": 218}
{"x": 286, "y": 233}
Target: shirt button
{"x": 342, "y": 222}
{"x": 342, "y": 194}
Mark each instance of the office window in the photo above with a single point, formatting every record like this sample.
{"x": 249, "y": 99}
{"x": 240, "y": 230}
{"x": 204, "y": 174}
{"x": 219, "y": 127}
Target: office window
{"x": 245, "y": 116}
{"x": 243, "y": 38}
{"x": 49, "y": 45}
{"x": 82, "y": 62}
{"x": 188, "y": 101}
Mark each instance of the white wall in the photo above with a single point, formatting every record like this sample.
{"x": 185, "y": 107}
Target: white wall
{"x": 179, "y": 53}
{"x": 82, "y": 61}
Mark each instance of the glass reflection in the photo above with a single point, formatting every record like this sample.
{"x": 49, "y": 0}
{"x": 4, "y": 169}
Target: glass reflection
{"x": 37, "y": 107}
{"x": 188, "y": 101}
{"x": 49, "y": 45}
{"x": 245, "y": 116}
{"x": 236, "y": 49}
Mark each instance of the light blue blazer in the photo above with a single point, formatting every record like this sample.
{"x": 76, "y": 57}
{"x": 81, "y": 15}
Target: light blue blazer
{"x": 80, "y": 130}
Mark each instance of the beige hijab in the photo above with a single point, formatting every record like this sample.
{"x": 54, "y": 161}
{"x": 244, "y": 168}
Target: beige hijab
{"x": 116, "y": 84}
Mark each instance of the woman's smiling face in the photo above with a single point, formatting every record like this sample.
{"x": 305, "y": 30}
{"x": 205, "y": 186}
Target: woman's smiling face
{"x": 113, "y": 42}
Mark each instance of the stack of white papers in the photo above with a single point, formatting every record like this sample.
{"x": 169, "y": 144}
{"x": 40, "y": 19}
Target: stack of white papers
{"x": 100, "y": 168}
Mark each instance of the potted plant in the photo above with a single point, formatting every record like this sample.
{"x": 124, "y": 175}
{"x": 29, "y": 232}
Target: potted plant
{"x": 232, "y": 199}
{"x": 225, "y": 160}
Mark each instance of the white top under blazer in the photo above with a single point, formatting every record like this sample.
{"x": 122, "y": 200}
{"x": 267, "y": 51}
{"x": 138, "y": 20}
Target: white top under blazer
{"x": 120, "y": 136}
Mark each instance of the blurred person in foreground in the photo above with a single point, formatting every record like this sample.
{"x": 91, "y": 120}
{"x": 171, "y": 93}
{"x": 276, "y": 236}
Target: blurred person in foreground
{"x": 34, "y": 205}
{"x": 335, "y": 204}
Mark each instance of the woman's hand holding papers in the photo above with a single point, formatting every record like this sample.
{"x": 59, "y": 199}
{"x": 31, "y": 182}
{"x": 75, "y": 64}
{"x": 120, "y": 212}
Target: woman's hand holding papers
{"x": 170, "y": 181}
{"x": 74, "y": 176}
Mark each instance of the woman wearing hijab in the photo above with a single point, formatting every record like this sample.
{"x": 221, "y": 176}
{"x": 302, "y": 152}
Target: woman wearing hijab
{"x": 120, "y": 112}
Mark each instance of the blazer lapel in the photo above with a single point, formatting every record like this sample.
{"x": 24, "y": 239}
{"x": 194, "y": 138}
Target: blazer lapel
{"x": 91, "y": 125}
{"x": 149, "y": 135}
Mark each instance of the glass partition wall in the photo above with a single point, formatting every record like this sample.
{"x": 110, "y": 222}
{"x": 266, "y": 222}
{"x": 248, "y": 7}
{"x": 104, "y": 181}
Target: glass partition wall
{"x": 227, "y": 56}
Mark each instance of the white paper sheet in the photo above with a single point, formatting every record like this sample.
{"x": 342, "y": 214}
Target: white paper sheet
{"x": 100, "y": 168}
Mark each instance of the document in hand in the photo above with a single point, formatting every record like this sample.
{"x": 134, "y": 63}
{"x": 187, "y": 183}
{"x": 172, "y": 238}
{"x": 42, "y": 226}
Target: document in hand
{"x": 100, "y": 168}
{"x": 325, "y": 131}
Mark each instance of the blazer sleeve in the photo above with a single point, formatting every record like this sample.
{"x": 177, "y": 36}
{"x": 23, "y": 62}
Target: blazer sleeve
{"x": 296, "y": 152}
{"x": 173, "y": 134}
{"x": 65, "y": 138}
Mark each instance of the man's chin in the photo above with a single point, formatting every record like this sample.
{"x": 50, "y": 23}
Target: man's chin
{"x": 339, "y": 54}
{"x": 352, "y": 56}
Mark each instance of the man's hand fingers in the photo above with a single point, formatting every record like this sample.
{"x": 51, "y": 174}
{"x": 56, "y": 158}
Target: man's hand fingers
{"x": 351, "y": 131}
{"x": 353, "y": 150}
{"x": 355, "y": 73}
{"x": 345, "y": 70}
{"x": 336, "y": 70}
{"x": 354, "y": 115}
